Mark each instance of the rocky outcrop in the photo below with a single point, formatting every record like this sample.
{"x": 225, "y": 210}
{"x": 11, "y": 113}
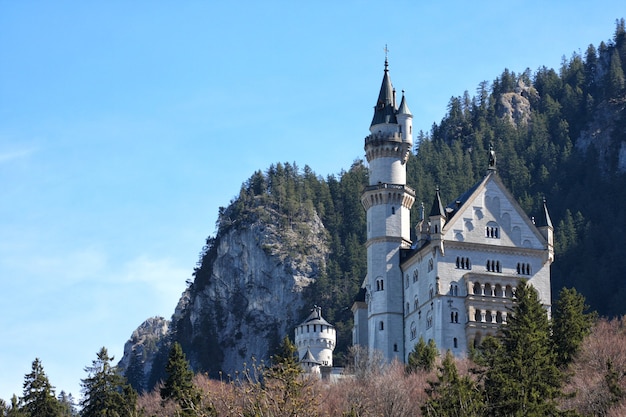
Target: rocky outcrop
{"x": 611, "y": 148}
{"x": 141, "y": 350}
{"x": 515, "y": 106}
{"x": 248, "y": 293}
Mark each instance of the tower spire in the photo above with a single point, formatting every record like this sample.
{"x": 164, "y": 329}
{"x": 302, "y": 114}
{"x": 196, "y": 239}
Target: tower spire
{"x": 385, "y": 109}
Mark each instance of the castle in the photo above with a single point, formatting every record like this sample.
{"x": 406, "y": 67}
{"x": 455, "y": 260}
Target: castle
{"x": 455, "y": 282}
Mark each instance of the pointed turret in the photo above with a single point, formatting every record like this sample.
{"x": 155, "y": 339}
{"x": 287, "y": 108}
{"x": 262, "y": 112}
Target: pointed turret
{"x": 438, "y": 219}
{"x": 437, "y": 208}
{"x": 547, "y": 230}
{"x": 405, "y": 121}
{"x": 385, "y": 109}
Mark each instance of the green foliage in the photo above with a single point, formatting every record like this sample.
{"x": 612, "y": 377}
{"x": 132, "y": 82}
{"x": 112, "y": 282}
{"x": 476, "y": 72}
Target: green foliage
{"x": 38, "y": 399}
{"x": 179, "y": 386}
{"x": 105, "y": 391}
{"x": 570, "y": 325}
{"x": 453, "y": 395}
{"x": 522, "y": 378}
{"x": 68, "y": 405}
{"x": 423, "y": 356}
{"x": 134, "y": 373}
{"x": 14, "y": 410}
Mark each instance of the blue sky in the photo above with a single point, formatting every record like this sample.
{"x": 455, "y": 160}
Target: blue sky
{"x": 125, "y": 125}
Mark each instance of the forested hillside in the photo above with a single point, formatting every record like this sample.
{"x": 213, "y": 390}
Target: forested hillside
{"x": 558, "y": 134}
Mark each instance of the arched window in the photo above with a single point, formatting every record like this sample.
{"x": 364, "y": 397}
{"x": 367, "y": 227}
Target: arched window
{"x": 429, "y": 319}
{"x": 408, "y": 310}
{"x": 430, "y": 265}
{"x": 413, "y": 330}
{"x": 415, "y": 275}
{"x": 395, "y": 347}
{"x": 406, "y": 281}
{"x": 492, "y": 230}
{"x": 393, "y": 210}
{"x": 454, "y": 316}
{"x": 381, "y": 325}
{"x": 456, "y": 343}
{"x": 416, "y": 303}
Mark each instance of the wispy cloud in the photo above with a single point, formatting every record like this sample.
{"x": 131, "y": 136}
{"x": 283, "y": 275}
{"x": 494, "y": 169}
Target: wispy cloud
{"x": 11, "y": 155}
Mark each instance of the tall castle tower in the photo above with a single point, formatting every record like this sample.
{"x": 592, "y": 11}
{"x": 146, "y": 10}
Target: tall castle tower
{"x": 387, "y": 201}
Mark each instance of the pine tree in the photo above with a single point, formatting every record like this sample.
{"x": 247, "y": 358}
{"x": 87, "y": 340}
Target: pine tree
{"x": 39, "y": 399}
{"x": 423, "y": 356}
{"x": 14, "y": 410}
{"x": 179, "y": 386}
{"x": 453, "y": 395}
{"x": 135, "y": 373}
{"x": 570, "y": 325}
{"x": 105, "y": 391}
{"x": 68, "y": 405}
{"x": 522, "y": 378}
{"x": 284, "y": 389}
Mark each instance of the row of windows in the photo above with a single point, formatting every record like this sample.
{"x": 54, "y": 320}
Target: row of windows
{"x": 310, "y": 342}
{"x": 380, "y": 285}
{"x": 523, "y": 269}
{"x": 488, "y": 316}
{"x": 489, "y": 290}
{"x": 463, "y": 263}
{"x": 314, "y": 327}
{"x": 493, "y": 266}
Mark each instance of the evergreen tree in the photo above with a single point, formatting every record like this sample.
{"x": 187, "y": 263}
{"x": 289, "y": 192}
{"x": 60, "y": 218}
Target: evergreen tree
{"x": 134, "y": 373}
{"x": 453, "y": 395}
{"x": 68, "y": 405}
{"x": 179, "y": 386}
{"x": 39, "y": 399}
{"x": 615, "y": 82}
{"x": 570, "y": 325}
{"x": 284, "y": 390}
{"x": 14, "y": 410}
{"x": 105, "y": 391}
{"x": 522, "y": 378}
{"x": 423, "y": 356}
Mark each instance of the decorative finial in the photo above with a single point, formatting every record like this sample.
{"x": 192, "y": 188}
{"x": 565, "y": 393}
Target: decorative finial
{"x": 386, "y": 61}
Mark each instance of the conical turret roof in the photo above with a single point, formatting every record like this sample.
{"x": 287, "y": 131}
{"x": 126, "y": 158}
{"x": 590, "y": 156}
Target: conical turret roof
{"x": 437, "y": 208}
{"x": 545, "y": 216}
{"x": 385, "y": 111}
{"x": 404, "y": 108}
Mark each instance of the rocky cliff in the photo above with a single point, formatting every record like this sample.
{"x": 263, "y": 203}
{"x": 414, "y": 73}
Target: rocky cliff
{"x": 247, "y": 293}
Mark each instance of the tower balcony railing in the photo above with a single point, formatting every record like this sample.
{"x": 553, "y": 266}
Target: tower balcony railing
{"x": 385, "y": 186}
{"x": 383, "y": 137}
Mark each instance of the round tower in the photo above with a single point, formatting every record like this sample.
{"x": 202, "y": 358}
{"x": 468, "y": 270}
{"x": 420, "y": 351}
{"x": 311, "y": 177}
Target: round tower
{"x": 387, "y": 201}
{"x": 315, "y": 340}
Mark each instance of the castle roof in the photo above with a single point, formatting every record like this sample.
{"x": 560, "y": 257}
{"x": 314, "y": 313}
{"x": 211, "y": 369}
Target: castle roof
{"x": 404, "y": 108}
{"x": 437, "y": 208}
{"x": 316, "y": 317}
{"x": 470, "y": 195}
{"x": 545, "y": 219}
{"x": 385, "y": 111}
{"x": 309, "y": 358}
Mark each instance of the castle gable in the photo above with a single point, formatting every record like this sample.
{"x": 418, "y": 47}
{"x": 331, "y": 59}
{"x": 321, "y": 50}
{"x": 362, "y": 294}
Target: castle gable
{"x": 489, "y": 214}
